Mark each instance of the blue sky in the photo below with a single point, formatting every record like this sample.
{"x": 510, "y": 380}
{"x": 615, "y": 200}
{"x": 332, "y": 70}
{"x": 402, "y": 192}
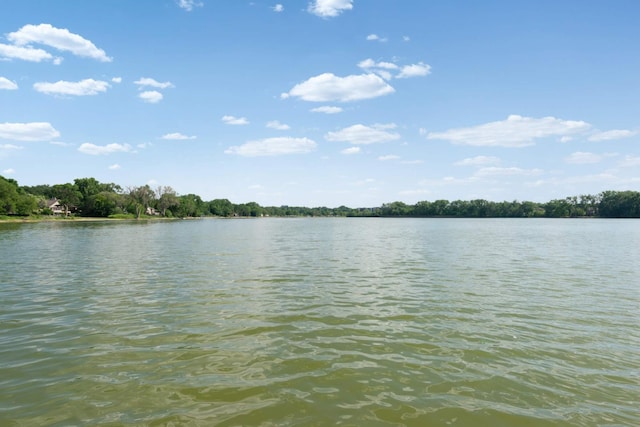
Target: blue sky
{"x": 324, "y": 103}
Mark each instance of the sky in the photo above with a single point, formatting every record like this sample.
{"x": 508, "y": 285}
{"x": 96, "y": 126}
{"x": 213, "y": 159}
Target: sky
{"x": 324, "y": 102}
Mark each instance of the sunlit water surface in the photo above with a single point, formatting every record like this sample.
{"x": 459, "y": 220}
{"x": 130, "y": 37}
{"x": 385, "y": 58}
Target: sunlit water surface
{"x": 320, "y": 322}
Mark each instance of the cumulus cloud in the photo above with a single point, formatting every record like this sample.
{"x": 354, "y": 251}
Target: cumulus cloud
{"x": 361, "y": 134}
{"x": 388, "y": 157}
{"x": 328, "y": 87}
{"x": 7, "y": 84}
{"x": 329, "y": 8}
{"x": 188, "y": 5}
{"x": 278, "y": 8}
{"x": 9, "y": 171}
{"x": 149, "y": 82}
{"x": 414, "y": 70}
{"x": 351, "y": 150}
{"x": 581, "y": 157}
{"x": 98, "y": 150}
{"x": 515, "y": 131}
{"x": 327, "y": 109}
{"x": 57, "y": 38}
{"x": 232, "y": 120}
{"x": 24, "y": 53}
{"x": 151, "y": 96}
{"x": 273, "y": 147}
{"x": 117, "y": 79}
{"x": 612, "y": 134}
{"x": 275, "y": 124}
{"x": 478, "y": 161}
{"x": 34, "y": 131}
{"x": 177, "y": 136}
{"x": 114, "y": 167}
{"x": 81, "y": 88}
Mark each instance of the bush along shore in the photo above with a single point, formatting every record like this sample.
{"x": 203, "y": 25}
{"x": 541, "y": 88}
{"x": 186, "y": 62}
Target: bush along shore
{"x": 88, "y": 198}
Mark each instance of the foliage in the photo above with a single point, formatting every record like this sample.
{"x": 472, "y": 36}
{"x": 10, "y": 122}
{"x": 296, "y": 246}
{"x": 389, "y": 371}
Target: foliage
{"x": 89, "y": 197}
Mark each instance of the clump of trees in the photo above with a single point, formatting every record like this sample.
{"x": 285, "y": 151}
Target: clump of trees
{"x": 91, "y": 198}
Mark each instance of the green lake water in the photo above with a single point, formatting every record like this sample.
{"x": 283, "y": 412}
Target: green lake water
{"x": 321, "y": 322}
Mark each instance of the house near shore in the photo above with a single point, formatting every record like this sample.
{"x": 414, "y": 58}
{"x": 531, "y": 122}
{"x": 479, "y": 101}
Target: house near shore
{"x": 58, "y": 208}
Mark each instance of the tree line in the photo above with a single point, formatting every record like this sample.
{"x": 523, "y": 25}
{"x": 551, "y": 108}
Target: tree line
{"x": 87, "y": 197}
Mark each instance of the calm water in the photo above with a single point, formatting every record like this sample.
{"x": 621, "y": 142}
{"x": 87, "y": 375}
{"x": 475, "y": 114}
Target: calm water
{"x": 320, "y": 322}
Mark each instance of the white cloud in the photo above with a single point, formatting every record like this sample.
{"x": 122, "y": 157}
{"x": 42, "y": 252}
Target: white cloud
{"x": 478, "y": 161}
{"x": 512, "y": 171}
{"x": 177, "y": 136}
{"x": 361, "y": 134}
{"x": 114, "y": 167}
{"x": 630, "y": 161}
{"x": 58, "y": 38}
{"x": 188, "y": 5}
{"x": 327, "y": 109}
{"x": 273, "y": 147}
{"x": 117, "y": 79}
{"x": 329, "y": 8}
{"x": 9, "y": 171}
{"x": 581, "y": 157}
{"x": 515, "y": 131}
{"x": 7, "y": 84}
{"x": 351, "y": 150}
{"x": 372, "y": 37}
{"x": 151, "y": 96}
{"x": 97, "y": 150}
{"x": 81, "y": 88}
{"x": 149, "y": 82}
{"x": 34, "y": 131}
{"x": 370, "y": 63}
{"x": 24, "y": 53}
{"x": 414, "y": 70}
{"x": 278, "y": 8}
{"x": 274, "y": 124}
{"x": 232, "y": 120}
{"x": 328, "y": 87}
{"x": 388, "y": 157}
{"x": 406, "y": 38}
{"x": 612, "y": 134}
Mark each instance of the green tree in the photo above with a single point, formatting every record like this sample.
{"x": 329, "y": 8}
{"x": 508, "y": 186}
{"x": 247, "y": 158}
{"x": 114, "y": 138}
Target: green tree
{"x": 166, "y": 199}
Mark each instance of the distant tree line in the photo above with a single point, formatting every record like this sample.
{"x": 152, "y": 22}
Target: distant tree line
{"x": 88, "y": 197}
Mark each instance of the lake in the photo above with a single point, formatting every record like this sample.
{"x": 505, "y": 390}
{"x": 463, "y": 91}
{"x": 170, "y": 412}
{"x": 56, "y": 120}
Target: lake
{"x": 320, "y": 322}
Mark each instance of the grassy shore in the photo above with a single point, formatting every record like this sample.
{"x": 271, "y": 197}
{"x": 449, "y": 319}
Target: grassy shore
{"x": 47, "y": 218}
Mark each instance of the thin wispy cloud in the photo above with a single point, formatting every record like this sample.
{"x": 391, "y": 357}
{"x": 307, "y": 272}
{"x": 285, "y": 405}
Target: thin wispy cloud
{"x": 189, "y": 5}
{"x": 82, "y": 88}
{"x": 360, "y": 134}
{"x": 233, "y": 120}
{"x": 327, "y": 109}
{"x": 273, "y": 147}
{"x": 515, "y": 131}
{"x": 101, "y": 150}
{"x": 177, "y": 136}
{"x": 275, "y": 124}
{"x": 33, "y": 131}
{"x": 149, "y": 82}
